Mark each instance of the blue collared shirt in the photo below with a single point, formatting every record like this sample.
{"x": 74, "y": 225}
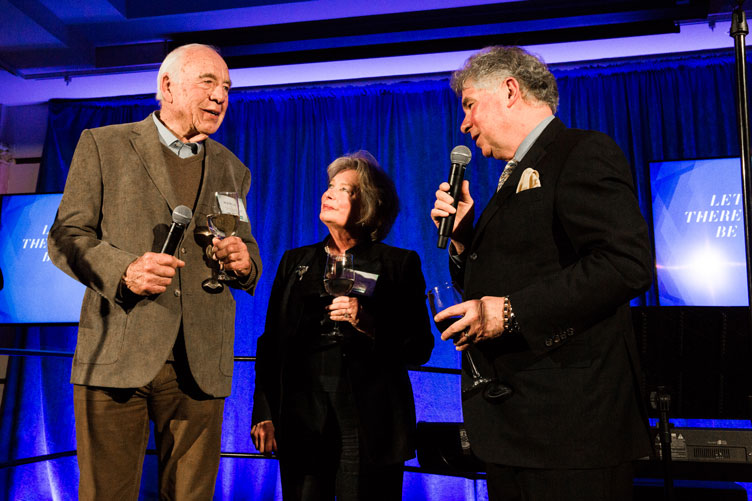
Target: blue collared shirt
{"x": 530, "y": 139}
{"x": 167, "y": 138}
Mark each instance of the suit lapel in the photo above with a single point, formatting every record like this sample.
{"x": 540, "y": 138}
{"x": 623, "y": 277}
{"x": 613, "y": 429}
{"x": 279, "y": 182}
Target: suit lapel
{"x": 145, "y": 141}
{"x": 531, "y": 160}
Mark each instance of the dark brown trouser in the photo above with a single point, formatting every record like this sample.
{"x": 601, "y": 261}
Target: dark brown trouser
{"x": 112, "y": 431}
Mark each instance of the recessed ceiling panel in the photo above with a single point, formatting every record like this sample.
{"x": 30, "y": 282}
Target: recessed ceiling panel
{"x": 77, "y": 11}
{"x": 149, "y": 8}
{"x": 18, "y": 31}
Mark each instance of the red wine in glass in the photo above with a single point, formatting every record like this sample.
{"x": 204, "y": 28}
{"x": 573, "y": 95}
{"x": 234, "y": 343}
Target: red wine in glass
{"x": 446, "y": 323}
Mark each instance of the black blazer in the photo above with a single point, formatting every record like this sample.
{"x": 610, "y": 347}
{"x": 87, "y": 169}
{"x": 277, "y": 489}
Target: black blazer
{"x": 570, "y": 255}
{"x": 376, "y": 369}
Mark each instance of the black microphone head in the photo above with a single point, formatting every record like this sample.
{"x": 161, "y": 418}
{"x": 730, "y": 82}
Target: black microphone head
{"x": 182, "y": 215}
{"x": 460, "y": 155}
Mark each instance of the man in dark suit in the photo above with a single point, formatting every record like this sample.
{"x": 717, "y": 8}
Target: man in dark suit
{"x": 152, "y": 343}
{"x": 548, "y": 271}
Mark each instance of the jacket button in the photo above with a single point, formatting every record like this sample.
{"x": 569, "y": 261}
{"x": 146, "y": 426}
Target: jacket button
{"x": 473, "y": 256}
{"x": 177, "y": 293}
{"x": 557, "y": 338}
{"x": 570, "y": 332}
{"x": 182, "y": 250}
{"x": 549, "y": 341}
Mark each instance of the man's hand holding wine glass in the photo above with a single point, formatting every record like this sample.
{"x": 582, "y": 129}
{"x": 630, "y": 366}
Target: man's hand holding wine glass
{"x": 482, "y": 319}
{"x": 227, "y": 248}
{"x": 233, "y": 254}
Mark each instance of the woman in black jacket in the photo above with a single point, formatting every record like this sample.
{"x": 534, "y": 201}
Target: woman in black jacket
{"x": 341, "y": 412}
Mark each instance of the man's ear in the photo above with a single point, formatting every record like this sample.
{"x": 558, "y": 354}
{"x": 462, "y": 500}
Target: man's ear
{"x": 511, "y": 90}
{"x": 165, "y": 85}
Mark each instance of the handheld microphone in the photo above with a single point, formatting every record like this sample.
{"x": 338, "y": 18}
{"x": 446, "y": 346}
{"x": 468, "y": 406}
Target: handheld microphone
{"x": 460, "y": 157}
{"x": 181, "y": 217}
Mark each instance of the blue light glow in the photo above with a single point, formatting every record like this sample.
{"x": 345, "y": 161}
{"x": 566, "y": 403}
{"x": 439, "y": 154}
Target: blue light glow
{"x": 34, "y": 290}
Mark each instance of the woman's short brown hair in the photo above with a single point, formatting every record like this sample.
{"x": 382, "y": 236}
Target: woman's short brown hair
{"x": 379, "y": 203}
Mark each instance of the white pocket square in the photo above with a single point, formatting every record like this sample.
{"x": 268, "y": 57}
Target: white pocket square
{"x": 529, "y": 179}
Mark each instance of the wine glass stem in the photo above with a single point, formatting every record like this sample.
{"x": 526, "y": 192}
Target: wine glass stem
{"x": 473, "y": 369}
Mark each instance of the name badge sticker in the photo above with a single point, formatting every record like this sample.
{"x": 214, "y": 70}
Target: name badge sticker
{"x": 365, "y": 283}
{"x": 243, "y": 213}
{"x": 227, "y": 206}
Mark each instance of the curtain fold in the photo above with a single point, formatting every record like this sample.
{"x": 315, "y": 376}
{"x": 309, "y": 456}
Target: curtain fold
{"x": 681, "y": 107}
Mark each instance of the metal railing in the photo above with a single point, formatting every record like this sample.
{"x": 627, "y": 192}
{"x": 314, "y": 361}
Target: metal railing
{"x": 20, "y": 352}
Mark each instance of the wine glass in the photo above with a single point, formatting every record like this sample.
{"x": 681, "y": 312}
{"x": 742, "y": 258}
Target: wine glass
{"x": 223, "y": 219}
{"x": 339, "y": 278}
{"x": 442, "y": 297}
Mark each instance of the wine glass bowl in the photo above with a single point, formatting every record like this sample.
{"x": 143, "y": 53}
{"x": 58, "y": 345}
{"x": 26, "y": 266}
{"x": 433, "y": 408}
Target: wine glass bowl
{"x": 440, "y": 298}
{"x": 339, "y": 278}
{"x": 222, "y": 225}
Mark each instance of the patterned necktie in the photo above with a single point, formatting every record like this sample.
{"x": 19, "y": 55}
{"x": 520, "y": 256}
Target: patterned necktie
{"x": 508, "y": 169}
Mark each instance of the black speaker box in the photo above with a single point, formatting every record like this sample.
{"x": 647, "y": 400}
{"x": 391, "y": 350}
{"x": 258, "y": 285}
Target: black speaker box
{"x": 653, "y": 490}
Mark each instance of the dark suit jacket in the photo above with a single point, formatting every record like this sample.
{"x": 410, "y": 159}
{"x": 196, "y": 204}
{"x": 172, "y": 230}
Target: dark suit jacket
{"x": 118, "y": 204}
{"x": 376, "y": 370}
{"x": 570, "y": 255}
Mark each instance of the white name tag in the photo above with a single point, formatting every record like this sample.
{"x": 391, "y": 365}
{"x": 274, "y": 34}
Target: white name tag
{"x": 227, "y": 206}
{"x": 243, "y": 213}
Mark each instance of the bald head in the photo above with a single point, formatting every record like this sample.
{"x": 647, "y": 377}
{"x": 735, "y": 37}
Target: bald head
{"x": 174, "y": 60}
{"x": 193, "y": 84}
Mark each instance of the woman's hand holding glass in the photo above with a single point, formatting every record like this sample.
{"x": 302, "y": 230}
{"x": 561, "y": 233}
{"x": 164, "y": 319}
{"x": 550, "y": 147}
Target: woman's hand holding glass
{"x": 349, "y": 309}
{"x": 339, "y": 278}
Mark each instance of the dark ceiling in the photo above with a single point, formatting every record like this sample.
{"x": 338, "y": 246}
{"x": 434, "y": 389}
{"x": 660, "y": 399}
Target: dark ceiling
{"x": 53, "y": 38}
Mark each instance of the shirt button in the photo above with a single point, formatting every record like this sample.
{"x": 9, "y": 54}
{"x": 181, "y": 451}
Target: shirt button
{"x": 177, "y": 293}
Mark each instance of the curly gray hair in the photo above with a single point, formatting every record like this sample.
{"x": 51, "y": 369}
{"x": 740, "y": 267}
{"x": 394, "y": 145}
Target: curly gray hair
{"x": 496, "y": 63}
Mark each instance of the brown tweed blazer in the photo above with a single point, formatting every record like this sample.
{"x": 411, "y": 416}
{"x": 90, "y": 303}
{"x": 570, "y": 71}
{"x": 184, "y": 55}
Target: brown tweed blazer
{"x": 117, "y": 204}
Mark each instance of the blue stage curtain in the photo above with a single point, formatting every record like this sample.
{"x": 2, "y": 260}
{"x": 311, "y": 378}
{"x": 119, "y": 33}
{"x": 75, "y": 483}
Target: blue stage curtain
{"x": 66, "y": 121}
{"x": 682, "y": 107}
